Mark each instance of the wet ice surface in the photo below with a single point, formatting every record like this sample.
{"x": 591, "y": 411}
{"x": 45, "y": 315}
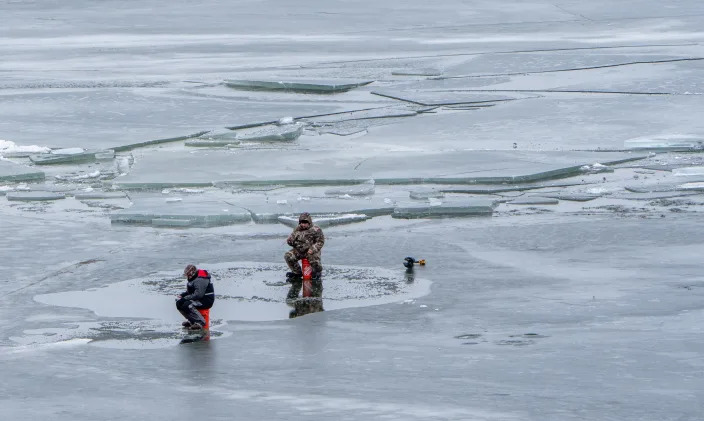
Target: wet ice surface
{"x": 246, "y": 291}
{"x": 552, "y": 181}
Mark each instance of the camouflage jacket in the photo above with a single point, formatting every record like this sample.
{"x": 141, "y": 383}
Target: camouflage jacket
{"x": 303, "y": 240}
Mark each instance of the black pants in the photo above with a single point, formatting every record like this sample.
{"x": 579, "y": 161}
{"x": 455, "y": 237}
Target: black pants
{"x": 189, "y": 310}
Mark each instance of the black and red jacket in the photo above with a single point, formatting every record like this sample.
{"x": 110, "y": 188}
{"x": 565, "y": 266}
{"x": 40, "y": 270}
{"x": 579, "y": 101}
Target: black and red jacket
{"x": 200, "y": 289}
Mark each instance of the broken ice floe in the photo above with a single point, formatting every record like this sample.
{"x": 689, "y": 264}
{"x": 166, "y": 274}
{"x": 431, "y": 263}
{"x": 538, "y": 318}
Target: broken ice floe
{"x": 183, "y": 191}
{"x": 71, "y": 156}
{"x": 435, "y": 209}
{"x": 666, "y": 142}
{"x": 344, "y": 167}
{"x": 34, "y": 196}
{"x": 493, "y": 189}
{"x": 534, "y": 200}
{"x": 364, "y": 189}
{"x": 426, "y": 194}
{"x": 123, "y": 148}
{"x": 78, "y": 177}
{"x": 9, "y": 171}
{"x": 689, "y": 171}
{"x": 366, "y": 114}
{"x": 268, "y": 208}
{"x": 297, "y": 85}
{"x": 695, "y": 186}
{"x": 657, "y": 187}
{"x": 574, "y": 197}
{"x": 416, "y": 72}
{"x": 266, "y": 133}
{"x": 97, "y": 195}
{"x": 189, "y": 212}
{"x": 325, "y": 220}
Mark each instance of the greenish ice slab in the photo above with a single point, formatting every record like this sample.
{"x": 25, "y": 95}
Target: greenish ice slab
{"x": 34, "y": 196}
{"x": 268, "y": 208}
{"x": 534, "y": 200}
{"x": 426, "y": 194}
{"x": 416, "y": 72}
{"x": 322, "y": 86}
{"x": 669, "y": 143}
{"x": 493, "y": 189}
{"x": 405, "y": 110}
{"x": 152, "y": 142}
{"x": 100, "y": 195}
{"x": 573, "y": 197}
{"x": 693, "y": 186}
{"x": 186, "y": 212}
{"x": 444, "y": 209}
{"x": 71, "y": 158}
{"x": 352, "y": 167}
{"x": 325, "y": 220}
{"x": 364, "y": 189}
{"x": 9, "y": 171}
{"x": 264, "y": 133}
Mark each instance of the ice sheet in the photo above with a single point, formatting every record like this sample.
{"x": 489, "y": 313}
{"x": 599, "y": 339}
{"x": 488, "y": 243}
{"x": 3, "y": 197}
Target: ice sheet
{"x": 268, "y": 167}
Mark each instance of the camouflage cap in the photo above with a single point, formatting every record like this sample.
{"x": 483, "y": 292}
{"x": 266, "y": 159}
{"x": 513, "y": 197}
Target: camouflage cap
{"x": 305, "y": 216}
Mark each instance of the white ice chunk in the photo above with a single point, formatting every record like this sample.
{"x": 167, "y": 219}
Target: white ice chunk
{"x": 365, "y": 189}
{"x": 699, "y": 186}
{"x": 183, "y": 190}
{"x": 8, "y": 147}
{"x": 596, "y": 168}
{"x": 668, "y": 141}
{"x": 688, "y": 171}
{"x": 93, "y": 174}
{"x": 68, "y": 151}
{"x": 285, "y": 120}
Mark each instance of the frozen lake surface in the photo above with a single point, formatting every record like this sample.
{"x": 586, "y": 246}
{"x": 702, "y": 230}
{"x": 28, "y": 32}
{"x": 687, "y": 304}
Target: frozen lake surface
{"x": 544, "y": 158}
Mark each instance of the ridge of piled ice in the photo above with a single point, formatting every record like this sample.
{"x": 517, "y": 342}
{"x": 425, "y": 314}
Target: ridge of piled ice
{"x": 11, "y": 149}
{"x": 298, "y": 85}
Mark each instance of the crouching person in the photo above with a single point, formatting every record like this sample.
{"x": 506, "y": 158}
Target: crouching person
{"x": 199, "y": 294}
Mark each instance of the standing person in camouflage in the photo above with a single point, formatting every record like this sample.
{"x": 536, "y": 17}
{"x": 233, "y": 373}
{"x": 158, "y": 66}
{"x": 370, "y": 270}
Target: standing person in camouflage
{"x": 307, "y": 241}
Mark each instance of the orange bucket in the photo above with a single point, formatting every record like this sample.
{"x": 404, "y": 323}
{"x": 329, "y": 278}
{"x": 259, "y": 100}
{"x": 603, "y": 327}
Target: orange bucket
{"x": 307, "y": 274}
{"x": 205, "y": 312}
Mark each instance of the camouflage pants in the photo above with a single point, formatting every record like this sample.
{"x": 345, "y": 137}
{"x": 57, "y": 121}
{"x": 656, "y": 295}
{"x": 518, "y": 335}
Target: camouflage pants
{"x": 293, "y": 256}
{"x": 297, "y": 285}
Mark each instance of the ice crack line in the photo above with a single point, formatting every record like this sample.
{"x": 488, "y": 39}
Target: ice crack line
{"x": 604, "y": 66}
{"x": 63, "y": 270}
{"x": 482, "y": 53}
{"x": 572, "y": 91}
